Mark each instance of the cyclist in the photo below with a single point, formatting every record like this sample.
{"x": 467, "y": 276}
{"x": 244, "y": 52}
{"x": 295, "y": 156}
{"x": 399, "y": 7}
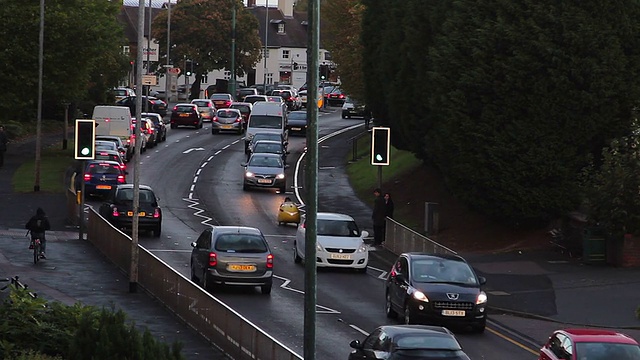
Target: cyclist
{"x": 37, "y": 225}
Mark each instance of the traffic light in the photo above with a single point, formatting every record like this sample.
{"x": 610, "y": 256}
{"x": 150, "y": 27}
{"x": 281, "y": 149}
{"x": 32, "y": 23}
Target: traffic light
{"x": 380, "y": 144}
{"x": 324, "y": 72}
{"x": 85, "y": 140}
{"x": 188, "y": 67}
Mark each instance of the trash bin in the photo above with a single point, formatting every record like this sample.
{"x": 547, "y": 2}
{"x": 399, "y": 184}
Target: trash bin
{"x": 594, "y": 246}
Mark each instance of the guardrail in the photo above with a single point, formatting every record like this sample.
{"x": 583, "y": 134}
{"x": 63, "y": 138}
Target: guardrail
{"x": 214, "y": 320}
{"x": 399, "y": 239}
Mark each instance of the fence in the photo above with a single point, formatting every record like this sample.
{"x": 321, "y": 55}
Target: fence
{"x": 399, "y": 239}
{"x": 210, "y": 317}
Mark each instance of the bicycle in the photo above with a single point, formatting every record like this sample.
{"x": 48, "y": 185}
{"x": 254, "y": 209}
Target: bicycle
{"x": 37, "y": 249}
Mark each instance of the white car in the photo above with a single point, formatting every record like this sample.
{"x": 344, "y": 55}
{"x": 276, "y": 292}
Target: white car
{"x": 340, "y": 243}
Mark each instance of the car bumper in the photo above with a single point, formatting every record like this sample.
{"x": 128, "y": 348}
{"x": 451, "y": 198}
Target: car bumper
{"x": 215, "y": 277}
{"x": 91, "y": 189}
{"x": 356, "y": 261}
{"x": 352, "y": 112}
{"x": 425, "y": 313}
{"x": 276, "y": 183}
{"x": 297, "y": 130}
{"x": 185, "y": 122}
{"x": 143, "y": 222}
{"x": 236, "y": 126}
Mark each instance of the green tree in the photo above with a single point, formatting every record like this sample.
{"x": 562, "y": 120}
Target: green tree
{"x": 82, "y": 54}
{"x": 201, "y": 31}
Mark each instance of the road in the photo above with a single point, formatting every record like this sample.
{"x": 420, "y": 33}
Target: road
{"x": 197, "y": 177}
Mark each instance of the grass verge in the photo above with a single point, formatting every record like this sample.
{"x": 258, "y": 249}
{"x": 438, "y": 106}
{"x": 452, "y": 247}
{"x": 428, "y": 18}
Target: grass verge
{"x": 54, "y": 163}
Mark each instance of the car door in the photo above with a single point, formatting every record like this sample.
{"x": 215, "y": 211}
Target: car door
{"x": 553, "y": 349}
{"x": 200, "y": 253}
{"x": 398, "y": 282}
{"x": 300, "y": 238}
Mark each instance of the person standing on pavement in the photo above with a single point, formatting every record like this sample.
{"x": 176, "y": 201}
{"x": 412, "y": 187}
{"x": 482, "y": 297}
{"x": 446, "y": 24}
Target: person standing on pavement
{"x": 37, "y": 225}
{"x": 388, "y": 205}
{"x": 3, "y": 144}
{"x": 378, "y": 217}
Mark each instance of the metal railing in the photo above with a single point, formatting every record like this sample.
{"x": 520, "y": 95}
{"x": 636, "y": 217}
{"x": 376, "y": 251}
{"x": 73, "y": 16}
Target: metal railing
{"x": 399, "y": 239}
{"x": 214, "y": 320}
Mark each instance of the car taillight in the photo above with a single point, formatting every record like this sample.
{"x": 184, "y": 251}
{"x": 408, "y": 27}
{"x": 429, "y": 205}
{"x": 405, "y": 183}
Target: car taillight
{"x": 120, "y": 179}
{"x": 341, "y": 96}
{"x": 156, "y": 213}
{"x": 87, "y": 177}
{"x": 175, "y": 108}
{"x": 270, "y": 261}
{"x": 215, "y": 118}
{"x": 238, "y": 119}
{"x": 114, "y": 211}
{"x": 228, "y": 103}
{"x": 123, "y": 167}
{"x": 213, "y": 259}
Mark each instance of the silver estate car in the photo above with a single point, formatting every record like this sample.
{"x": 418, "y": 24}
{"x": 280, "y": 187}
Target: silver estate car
{"x": 232, "y": 255}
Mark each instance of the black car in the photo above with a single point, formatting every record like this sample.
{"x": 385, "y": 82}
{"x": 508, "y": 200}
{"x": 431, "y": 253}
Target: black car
{"x": 160, "y": 126}
{"x": 269, "y": 147}
{"x": 232, "y": 255}
{"x": 408, "y": 342}
{"x": 297, "y": 123}
{"x": 155, "y": 105}
{"x": 264, "y": 136}
{"x": 118, "y": 209}
{"x": 436, "y": 289}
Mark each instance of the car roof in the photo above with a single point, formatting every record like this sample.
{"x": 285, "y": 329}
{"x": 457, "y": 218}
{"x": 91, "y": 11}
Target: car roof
{"x": 277, "y": 156}
{"x": 108, "y": 152}
{"x": 110, "y": 137}
{"x": 185, "y": 104}
{"x": 110, "y": 162}
{"x": 227, "y": 229}
{"x": 229, "y": 110}
{"x": 130, "y": 186}
{"x": 395, "y": 330}
{"x": 423, "y": 255}
{"x": 298, "y": 112}
{"x": 241, "y": 103}
{"x": 279, "y": 143}
{"x": 151, "y": 115}
{"x": 598, "y": 335}
{"x": 200, "y": 100}
{"x": 333, "y": 216}
{"x": 270, "y": 134}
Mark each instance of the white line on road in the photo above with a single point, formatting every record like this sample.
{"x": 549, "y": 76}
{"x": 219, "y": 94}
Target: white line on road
{"x": 359, "y": 330}
{"x": 285, "y": 285}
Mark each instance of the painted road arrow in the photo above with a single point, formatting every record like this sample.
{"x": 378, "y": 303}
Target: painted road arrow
{"x": 192, "y": 149}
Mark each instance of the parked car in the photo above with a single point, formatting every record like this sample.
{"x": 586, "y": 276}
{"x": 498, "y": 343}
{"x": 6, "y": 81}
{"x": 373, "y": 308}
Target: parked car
{"x": 155, "y": 105}
{"x": 408, "y": 342}
{"x": 100, "y": 176}
{"x": 352, "y": 107}
{"x": 120, "y": 147}
{"x": 297, "y": 123}
{"x": 264, "y": 171}
{"x": 436, "y": 289}
{"x": 265, "y": 136}
{"x": 118, "y": 208}
{"x": 242, "y": 92}
{"x": 221, "y": 101}
{"x": 122, "y": 92}
{"x": 269, "y": 147}
{"x": 340, "y": 243}
{"x": 227, "y": 120}
{"x": 206, "y": 108}
{"x": 232, "y": 255}
{"x": 186, "y": 115}
{"x": 160, "y": 126}
{"x": 245, "y": 109}
{"x": 590, "y": 344}
{"x": 252, "y": 99}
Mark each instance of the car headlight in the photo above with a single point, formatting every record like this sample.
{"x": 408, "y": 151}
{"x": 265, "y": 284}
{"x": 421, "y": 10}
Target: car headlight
{"x": 363, "y": 248}
{"x": 248, "y": 174}
{"x": 280, "y": 176}
{"x": 319, "y": 248}
{"x": 419, "y": 295}
{"x": 482, "y": 298}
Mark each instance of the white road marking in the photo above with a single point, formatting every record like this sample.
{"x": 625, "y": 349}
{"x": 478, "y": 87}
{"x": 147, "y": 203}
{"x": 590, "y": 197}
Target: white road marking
{"x": 285, "y": 285}
{"x": 192, "y": 149}
{"x": 198, "y": 172}
{"x": 199, "y": 212}
{"x": 195, "y": 179}
{"x": 165, "y": 250}
{"x": 358, "y": 330}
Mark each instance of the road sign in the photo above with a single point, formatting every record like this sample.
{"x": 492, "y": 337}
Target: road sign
{"x": 149, "y": 80}
{"x": 173, "y": 71}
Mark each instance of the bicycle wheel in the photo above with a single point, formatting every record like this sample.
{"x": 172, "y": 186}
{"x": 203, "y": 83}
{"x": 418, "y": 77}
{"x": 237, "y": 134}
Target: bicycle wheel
{"x": 36, "y": 251}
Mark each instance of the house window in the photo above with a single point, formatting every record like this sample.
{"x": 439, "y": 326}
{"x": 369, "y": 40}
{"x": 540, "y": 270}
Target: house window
{"x": 269, "y": 78}
{"x": 281, "y": 28}
{"x": 285, "y": 54}
{"x": 126, "y": 50}
{"x": 227, "y": 75}
{"x": 327, "y": 56}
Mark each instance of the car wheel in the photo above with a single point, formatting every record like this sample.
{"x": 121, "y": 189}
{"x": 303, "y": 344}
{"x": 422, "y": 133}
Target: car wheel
{"x": 194, "y": 278}
{"x": 173, "y": 126}
{"x": 407, "y": 318}
{"x": 283, "y": 190}
{"x": 213, "y": 132}
{"x": 344, "y": 116}
{"x": 479, "y": 327}
{"x": 296, "y": 258}
{"x": 245, "y": 187}
{"x": 266, "y": 289}
{"x": 157, "y": 231}
{"x": 388, "y": 307}
{"x": 205, "y": 282}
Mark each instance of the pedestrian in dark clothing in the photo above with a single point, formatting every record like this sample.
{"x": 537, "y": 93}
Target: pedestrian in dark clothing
{"x": 3, "y": 144}
{"x": 37, "y": 225}
{"x": 388, "y": 205}
{"x": 378, "y": 217}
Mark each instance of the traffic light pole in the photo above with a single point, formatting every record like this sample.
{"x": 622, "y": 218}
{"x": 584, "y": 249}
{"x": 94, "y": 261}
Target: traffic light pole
{"x": 81, "y": 210}
{"x": 379, "y": 176}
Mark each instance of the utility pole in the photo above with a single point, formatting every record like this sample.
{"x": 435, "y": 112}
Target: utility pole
{"x": 146, "y": 103}
{"x": 266, "y": 36}
{"x": 311, "y": 222}
{"x": 167, "y": 86}
{"x": 233, "y": 50}
{"x": 36, "y": 185}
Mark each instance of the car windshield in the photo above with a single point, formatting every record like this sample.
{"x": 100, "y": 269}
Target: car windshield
{"x": 201, "y": 103}
{"x": 145, "y": 196}
{"x": 227, "y": 114}
{"x": 297, "y": 116}
{"x": 268, "y": 148}
{"x": 606, "y": 351}
{"x": 266, "y": 122}
{"x": 338, "y": 228}
{"x": 265, "y": 161}
{"x": 442, "y": 270}
{"x": 418, "y": 341}
{"x": 415, "y": 354}
{"x": 220, "y": 97}
{"x": 240, "y": 243}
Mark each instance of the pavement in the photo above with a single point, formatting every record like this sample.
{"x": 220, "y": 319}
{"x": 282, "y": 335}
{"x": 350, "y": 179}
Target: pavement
{"x": 527, "y": 290}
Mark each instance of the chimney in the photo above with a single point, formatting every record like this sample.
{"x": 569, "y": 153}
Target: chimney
{"x": 286, "y": 7}
{"x": 251, "y": 3}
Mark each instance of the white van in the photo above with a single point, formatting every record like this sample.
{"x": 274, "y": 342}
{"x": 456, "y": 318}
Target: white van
{"x": 268, "y": 117}
{"x": 115, "y": 121}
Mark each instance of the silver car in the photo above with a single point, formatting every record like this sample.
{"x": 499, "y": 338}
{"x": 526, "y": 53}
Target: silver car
{"x": 206, "y": 108}
{"x": 265, "y": 171}
{"x": 227, "y": 120}
{"x": 232, "y": 255}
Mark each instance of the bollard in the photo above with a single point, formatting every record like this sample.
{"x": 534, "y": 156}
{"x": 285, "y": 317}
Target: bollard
{"x": 431, "y": 218}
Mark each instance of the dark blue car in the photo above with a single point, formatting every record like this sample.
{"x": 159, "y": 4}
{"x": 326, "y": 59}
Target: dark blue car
{"x": 100, "y": 176}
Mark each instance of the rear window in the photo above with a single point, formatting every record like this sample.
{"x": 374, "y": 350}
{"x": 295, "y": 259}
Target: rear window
{"x": 266, "y": 122}
{"x": 247, "y": 91}
{"x": 111, "y": 157}
{"x": 220, "y": 97}
{"x": 268, "y": 148}
{"x": 201, "y": 103}
{"x": 145, "y": 196}
{"x": 242, "y": 108}
{"x": 104, "y": 169}
{"x": 240, "y": 243}
{"x": 227, "y": 114}
{"x": 184, "y": 108}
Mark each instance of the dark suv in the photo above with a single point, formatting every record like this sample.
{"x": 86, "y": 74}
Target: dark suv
{"x": 232, "y": 255}
{"x": 437, "y": 290}
{"x": 186, "y": 114}
{"x": 118, "y": 209}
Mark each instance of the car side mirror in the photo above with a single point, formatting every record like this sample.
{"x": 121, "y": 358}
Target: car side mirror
{"x": 400, "y": 277}
{"x": 482, "y": 280}
{"x": 243, "y": 164}
{"x": 193, "y": 244}
{"x": 355, "y": 344}
{"x": 285, "y": 143}
{"x": 364, "y": 233}
{"x": 287, "y": 152}
{"x": 286, "y": 166}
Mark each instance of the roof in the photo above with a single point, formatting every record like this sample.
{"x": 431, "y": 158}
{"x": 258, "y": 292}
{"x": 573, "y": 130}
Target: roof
{"x": 414, "y": 255}
{"x": 599, "y": 335}
{"x": 295, "y": 35}
{"x": 334, "y": 216}
{"x": 395, "y": 330}
{"x": 130, "y": 186}
{"x": 236, "y": 229}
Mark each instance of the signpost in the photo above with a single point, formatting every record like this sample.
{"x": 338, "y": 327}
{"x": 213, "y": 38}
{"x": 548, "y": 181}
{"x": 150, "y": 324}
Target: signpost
{"x": 150, "y": 80}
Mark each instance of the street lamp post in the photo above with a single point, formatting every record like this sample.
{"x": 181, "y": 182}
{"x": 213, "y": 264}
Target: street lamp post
{"x": 232, "y": 78}
{"x": 36, "y": 185}
{"x": 167, "y": 86}
{"x": 266, "y": 36}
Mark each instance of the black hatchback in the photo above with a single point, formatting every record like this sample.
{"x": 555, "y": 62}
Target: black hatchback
{"x": 436, "y": 289}
{"x": 118, "y": 209}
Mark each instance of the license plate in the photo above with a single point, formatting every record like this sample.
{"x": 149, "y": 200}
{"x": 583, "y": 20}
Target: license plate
{"x": 103, "y": 187}
{"x": 341, "y": 256}
{"x": 204, "y": 113}
{"x": 453, "y": 312}
{"x": 218, "y": 102}
{"x": 238, "y": 267}
{"x": 296, "y": 129}
{"x": 141, "y": 213}
{"x": 264, "y": 181}
{"x": 226, "y": 126}
{"x": 184, "y": 115}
